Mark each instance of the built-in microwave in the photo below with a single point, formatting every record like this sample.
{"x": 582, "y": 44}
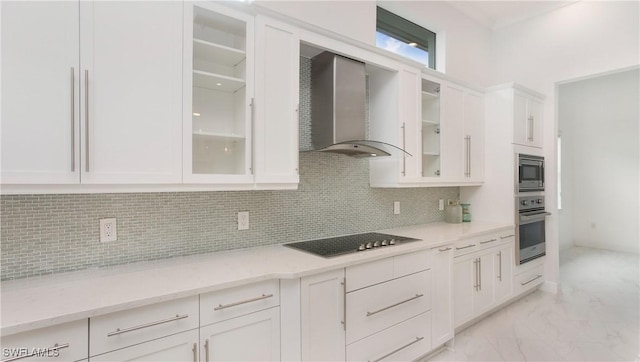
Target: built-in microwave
{"x": 530, "y": 173}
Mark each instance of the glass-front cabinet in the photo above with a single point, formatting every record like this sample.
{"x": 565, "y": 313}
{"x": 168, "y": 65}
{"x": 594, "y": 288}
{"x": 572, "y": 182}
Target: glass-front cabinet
{"x": 431, "y": 130}
{"x": 218, "y": 91}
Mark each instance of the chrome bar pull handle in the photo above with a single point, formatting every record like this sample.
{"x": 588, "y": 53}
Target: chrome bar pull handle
{"x": 418, "y": 339}
{"x": 488, "y": 241}
{"x": 394, "y": 305}
{"x": 404, "y": 147}
{"x": 444, "y": 249}
{"x": 206, "y": 350}
{"x": 56, "y": 347}
{"x": 86, "y": 119}
{"x": 344, "y": 303}
{"x": 479, "y": 274}
{"x": 500, "y": 265}
{"x": 73, "y": 123}
{"x": 465, "y": 247}
{"x": 253, "y": 108}
{"x": 147, "y": 325}
{"x": 195, "y": 352}
{"x": 531, "y": 280}
{"x": 263, "y": 296}
{"x": 469, "y": 155}
{"x": 506, "y": 237}
{"x": 475, "y": 272}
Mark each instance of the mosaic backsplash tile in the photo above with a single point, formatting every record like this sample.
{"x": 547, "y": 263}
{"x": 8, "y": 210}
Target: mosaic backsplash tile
{"x": 44, "y": 234}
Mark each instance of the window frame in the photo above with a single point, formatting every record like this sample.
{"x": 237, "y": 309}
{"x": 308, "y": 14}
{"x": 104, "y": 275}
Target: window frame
{"x": 407, "y": 31}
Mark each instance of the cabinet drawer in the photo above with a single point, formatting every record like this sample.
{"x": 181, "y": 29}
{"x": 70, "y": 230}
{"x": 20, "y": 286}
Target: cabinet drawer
{"x": 123, "y": 329}
{"x": 528, "y": 280}
{"x": 405, "y": 341}
{"x": 464, "y": 247}
{"x": 364, "y": 275}
{"x": 64, "y": 342}
{"x": 230, "y": 303}
{"x": 372, "y": 309}
{"x": 181, "y": 347}
{"x": 410, "y": 263}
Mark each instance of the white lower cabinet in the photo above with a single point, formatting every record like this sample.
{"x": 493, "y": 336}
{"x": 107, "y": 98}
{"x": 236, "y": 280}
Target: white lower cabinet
{"x": 64, "y": 342}
{"x": 253, "y": 337}
{"x": 405, "y": 341}
{"x": 380, "y": 306}
{"x": 118, "y": 330}
{"x": 181, "y": 347}
{"x": 504, "y": 262}
{"x": 482, "y": 275}
{"x": 441, "y": 295}
{"x": 322, "y": 316}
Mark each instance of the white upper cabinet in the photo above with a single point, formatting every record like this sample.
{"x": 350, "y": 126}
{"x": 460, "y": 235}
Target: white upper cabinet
{"x": 241, "y": 76}
{"x": 276, "y": 103}
{"x": 441, "y": 124}
{"x": 91, "y": 92}
{"x": 527, "y": 119}
{"x": 131, "y": 72}
{"x": 40, "y": 94}
{"x": 218, "y": 94}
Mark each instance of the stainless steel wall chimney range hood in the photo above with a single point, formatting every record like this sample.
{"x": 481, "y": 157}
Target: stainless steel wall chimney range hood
{"x": 338, "y": 108}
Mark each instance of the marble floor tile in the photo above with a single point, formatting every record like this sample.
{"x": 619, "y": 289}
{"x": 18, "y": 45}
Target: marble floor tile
{"x": 594, "y": 317}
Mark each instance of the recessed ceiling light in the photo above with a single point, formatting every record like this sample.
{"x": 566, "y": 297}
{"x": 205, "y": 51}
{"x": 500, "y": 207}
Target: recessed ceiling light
{"x": 196, "y": 114}
{"x": 413, "y": 44}
{"x": 218, "y": 84}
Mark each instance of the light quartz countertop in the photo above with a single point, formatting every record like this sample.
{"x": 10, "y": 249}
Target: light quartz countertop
{"x": 38, "y": 302}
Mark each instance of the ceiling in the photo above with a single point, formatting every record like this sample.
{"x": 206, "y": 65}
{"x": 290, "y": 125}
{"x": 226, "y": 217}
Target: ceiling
{"x": 497, "y": 14}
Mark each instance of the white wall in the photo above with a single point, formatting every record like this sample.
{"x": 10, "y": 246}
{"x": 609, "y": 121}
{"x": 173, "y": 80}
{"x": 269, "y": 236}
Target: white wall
{"x": 461, "y": 38}
{"x": 599, "y": 117}
{"x": 581, "y": 39}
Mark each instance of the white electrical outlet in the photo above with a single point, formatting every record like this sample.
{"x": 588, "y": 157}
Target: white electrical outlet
{"x": 396, "y": 207}
{"x": 108, "y": 230}
{"x": 441, "y": 204}
{"x": 243, "y": 220}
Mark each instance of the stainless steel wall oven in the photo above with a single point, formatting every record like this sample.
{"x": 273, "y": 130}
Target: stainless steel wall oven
{"x": 530, "y": 233}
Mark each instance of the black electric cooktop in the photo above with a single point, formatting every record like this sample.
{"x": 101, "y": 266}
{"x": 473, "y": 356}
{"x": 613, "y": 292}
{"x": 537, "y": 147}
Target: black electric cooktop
{"x": 341, "y": 245}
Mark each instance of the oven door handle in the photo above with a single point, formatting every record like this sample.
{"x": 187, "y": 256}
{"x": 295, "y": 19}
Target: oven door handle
{"x": 528, "y": 219}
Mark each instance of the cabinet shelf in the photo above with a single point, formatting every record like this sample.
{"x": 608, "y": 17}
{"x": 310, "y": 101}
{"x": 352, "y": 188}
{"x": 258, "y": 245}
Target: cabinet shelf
{"x": 225, "y": 55}
{"x": 216, "y": 82}
{"x": 429, "y": 95}
{"x": 430, "y": 123}
{"x": 219, "y": 136}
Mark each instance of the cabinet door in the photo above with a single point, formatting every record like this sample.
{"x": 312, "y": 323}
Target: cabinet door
{"x": 520, "y": 119}
{"x": 473, "y": 137}
{"x": 483, "y": 297}
{"x": 442, "y": 295}
{"x": 534, "y": 111}
{"x": 504, "y": 261}
{"x": 431, "y": 143}
{"x": 453, "y": 155}
{"x": 180, "y": 347}
{"x": 253, "y": 337}
{"x": 40, "y": 67}
{"x": 464, "y": 285}
{"x": 131, "y": 108}
{"x": 410, "y": 124}
{"x": 217, "y": 94}
{"x": 276, "y": 102}
{"x": 322, "y": 313}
